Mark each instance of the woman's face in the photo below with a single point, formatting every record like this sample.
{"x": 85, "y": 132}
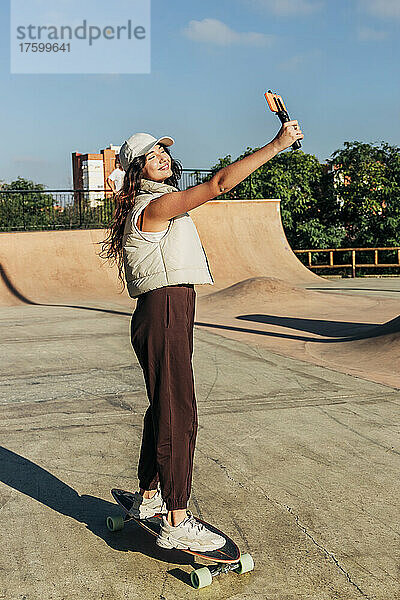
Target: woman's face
{"x": 158, "y": 164}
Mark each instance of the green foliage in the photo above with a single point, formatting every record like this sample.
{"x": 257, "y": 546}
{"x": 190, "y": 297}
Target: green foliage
{"x": 309, "y": 210}
{"x": 20, "y": 211}
{"x": 367, "y": 182}
{"x": 26, "y": 205}
{"x": 354, "y": 200}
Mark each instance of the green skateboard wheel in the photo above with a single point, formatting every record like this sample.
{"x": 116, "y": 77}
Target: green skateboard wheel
{"x": 201, "y": 578}
{"x": 245, "y": 565}
{"x": 115, "y": 523}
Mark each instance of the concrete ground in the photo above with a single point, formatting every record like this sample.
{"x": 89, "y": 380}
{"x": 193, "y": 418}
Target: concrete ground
{"x": 386, "y": 287}
{"x": 298, "y": 463}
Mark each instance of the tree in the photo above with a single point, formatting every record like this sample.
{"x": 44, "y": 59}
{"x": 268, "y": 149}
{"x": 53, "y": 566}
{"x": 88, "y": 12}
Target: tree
{"x": 310, "y": 213}
{"x": 25, "y": 210}
{"x": 367, "y": 187}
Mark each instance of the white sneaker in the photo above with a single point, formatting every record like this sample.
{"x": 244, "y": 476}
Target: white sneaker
{"x": 188, "y": 535}
{"x": 143, "y": 508}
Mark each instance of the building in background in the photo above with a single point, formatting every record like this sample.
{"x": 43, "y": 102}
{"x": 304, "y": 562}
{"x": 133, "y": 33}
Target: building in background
{"x": 90, "y": 172}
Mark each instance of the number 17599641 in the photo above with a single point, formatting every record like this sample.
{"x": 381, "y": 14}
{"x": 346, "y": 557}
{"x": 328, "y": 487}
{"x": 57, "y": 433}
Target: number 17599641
{"x": 44, "y": 47}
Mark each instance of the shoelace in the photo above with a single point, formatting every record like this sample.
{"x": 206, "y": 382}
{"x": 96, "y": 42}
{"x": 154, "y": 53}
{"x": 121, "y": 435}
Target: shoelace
{"x": 194, "y": 524}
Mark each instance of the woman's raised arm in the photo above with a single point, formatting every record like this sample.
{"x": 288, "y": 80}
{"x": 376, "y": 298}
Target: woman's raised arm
{"x": 171, "y": 205}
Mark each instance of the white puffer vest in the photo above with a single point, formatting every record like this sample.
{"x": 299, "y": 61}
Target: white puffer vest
{"x": 178, "y": 257}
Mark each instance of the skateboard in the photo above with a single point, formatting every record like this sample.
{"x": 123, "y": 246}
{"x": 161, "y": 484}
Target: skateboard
{"x": 228, "y": 558}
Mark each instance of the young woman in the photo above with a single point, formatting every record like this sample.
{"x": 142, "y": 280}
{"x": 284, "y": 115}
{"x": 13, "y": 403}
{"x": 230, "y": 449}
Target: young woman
{"x": 156, "y": 246}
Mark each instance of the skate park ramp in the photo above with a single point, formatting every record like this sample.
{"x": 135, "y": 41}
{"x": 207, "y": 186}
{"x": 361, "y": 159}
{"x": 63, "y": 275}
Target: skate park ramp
{"x": 357, "y": 335}
{"x": 377, "y": 350}
{"x": 242, "y": 239}
{"x": 262, "y": 294}
{"x": 245, "y": 238}
{"x": 44, "y": 267}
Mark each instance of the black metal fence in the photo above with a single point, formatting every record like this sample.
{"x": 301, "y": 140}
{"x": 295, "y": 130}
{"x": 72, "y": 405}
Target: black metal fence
{"x": 29, "y": 210}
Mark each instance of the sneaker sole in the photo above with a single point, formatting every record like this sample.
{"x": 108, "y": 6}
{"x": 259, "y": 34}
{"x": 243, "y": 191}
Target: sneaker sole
{"x": 169, "y": 544}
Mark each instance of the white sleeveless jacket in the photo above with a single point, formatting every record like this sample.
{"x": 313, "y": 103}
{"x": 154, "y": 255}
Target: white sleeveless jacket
{"x": 178, "y": 257}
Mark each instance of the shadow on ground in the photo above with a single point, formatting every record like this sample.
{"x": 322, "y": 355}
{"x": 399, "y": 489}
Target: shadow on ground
{"x": 22, "y": 298}
{"x": 32, "y": 480}
{"x": 337, "y": 331}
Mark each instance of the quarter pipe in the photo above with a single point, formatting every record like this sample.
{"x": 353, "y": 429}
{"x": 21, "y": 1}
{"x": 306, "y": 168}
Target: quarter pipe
{"x": 242, "y": 238}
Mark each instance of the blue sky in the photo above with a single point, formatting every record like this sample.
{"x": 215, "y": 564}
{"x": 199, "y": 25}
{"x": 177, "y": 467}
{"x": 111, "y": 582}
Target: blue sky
{"x": 335, "y": 63}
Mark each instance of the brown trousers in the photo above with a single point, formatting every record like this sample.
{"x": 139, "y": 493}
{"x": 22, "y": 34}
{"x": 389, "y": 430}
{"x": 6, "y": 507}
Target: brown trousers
{"x": 162, "y": 338}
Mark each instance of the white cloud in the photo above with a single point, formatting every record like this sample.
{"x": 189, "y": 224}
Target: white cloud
{"x": 212, "y": 31}
{"x": 381, "y": 8}
{"x": 287, "y": 8}
{"x": 367, "y": 34}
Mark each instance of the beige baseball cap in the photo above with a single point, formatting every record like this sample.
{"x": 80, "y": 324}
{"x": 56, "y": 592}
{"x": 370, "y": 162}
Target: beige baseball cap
{"x": 139, "y": 144}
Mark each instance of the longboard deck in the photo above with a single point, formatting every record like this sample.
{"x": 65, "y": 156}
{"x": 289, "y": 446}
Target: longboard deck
{"x": 228, "y": 554}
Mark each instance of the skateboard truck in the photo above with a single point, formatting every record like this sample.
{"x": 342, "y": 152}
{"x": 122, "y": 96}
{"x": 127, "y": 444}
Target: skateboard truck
{"x": 277, "y": 106}
{"x": 203, "y": 577}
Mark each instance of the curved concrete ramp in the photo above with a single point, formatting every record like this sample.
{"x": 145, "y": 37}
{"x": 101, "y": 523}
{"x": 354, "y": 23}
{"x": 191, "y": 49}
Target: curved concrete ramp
{"x": 260, "y": 288}
{"x": 377, "y": 353}
{"x": 242, "y": 239}
{"x": 245, "y": 238}
{"x": 55, "y": 266}
{"x": 343, "y": 332}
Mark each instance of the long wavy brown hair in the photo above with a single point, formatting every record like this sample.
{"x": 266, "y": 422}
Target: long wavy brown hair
{"x": 112, "y": 249}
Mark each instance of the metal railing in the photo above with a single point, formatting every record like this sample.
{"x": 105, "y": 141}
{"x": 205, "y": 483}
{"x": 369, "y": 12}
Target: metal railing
{"x": 191, "y": 177}
{"x": 353, "y": 264}
{"x": 243, "y": 191}
{"x": 29, "y": 210}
